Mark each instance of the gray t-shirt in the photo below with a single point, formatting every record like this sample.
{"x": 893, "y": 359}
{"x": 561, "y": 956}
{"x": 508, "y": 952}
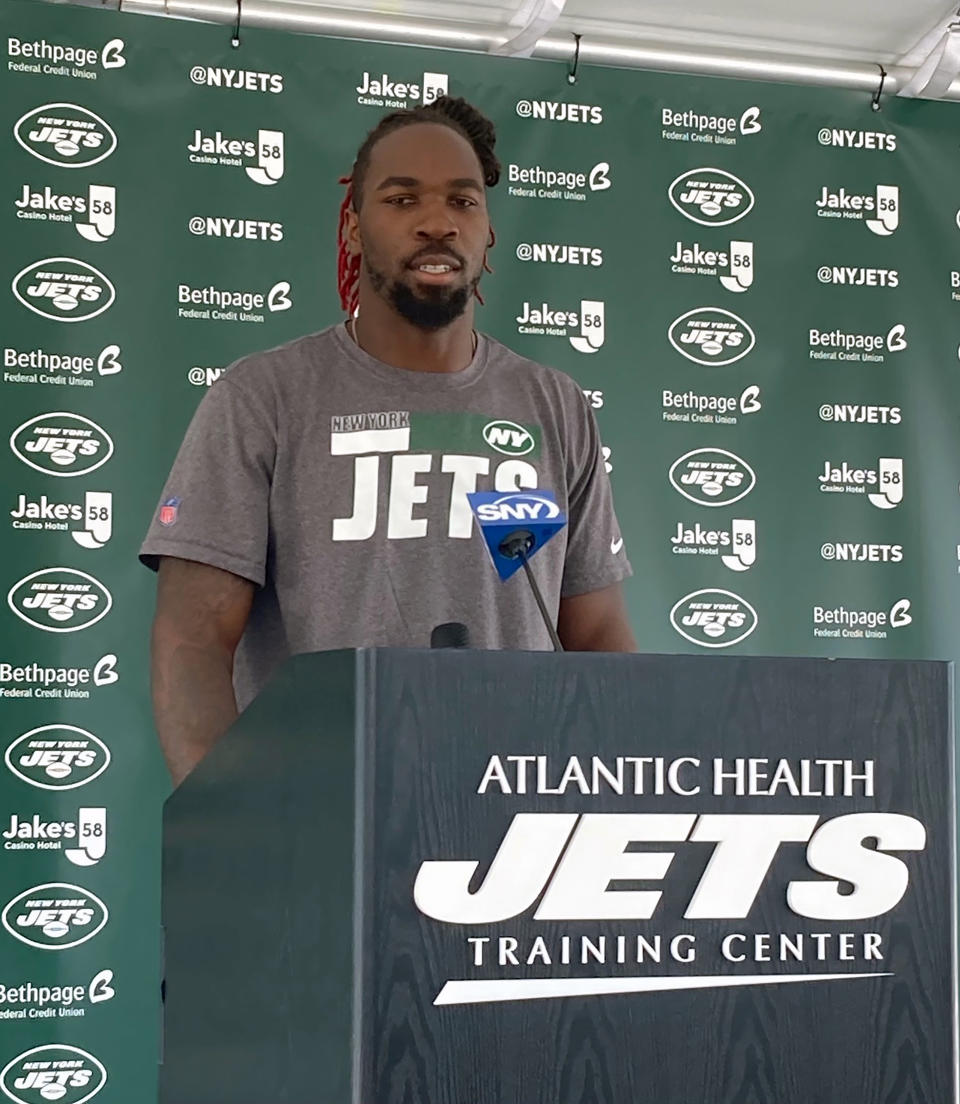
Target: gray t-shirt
{"x": 338, "y": 485}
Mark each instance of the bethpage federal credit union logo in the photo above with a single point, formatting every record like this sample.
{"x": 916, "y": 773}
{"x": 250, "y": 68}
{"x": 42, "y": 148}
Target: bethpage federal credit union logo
{"x": 66, "y": 135}
{"x": 55, "y": 916}
{"x": 880, "y": 209}
{"x": 736, "y": 546}
{"x": 54, "y": 59}
{"x": 857, "y": 139}
{"x": 713, "y": 618}
{"x": 537, "y": 182}
{"x": 860, "y": 624}
{"x": 89, "y": 519}
{"x": 232, "y": 305}
{"x": 93, "y": 211}
{"x": 692, "y": 406}
{"x": 59, "y": 600}
{"x": 711, "y": 336}
{"x": 57, "y": 757}
{"x": 711, "y": 197}
{"x": 54, "y": 1072}
{"x": 588, "y": 324}
{"x": 61, "y": 444}
{"x": 244, "y": 80}
{"x": 860, "y": 414}
{"x": 555, "y": 112}
{"x": 41, "y": 681}
{"x": 712, "y": 477}
{"x": 262, "y": 158}
{"x": 690, "y": 125}
{"x": 733, "y": 266}
{"x": 23, "y": 1000}
{"x": 858, "y": 347}
{"x": 384, "y": 90}
{"x": 882, "y": 485}
{"x": 60, "y": 369}
{"x": 63, "y": 289}
{"x": 82, "y": 840}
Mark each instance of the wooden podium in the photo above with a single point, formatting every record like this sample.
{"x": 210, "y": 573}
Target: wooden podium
{"x": 458, "y": 877}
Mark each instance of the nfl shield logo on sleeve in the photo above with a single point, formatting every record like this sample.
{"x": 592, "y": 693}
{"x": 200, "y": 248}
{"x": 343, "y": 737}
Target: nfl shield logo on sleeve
{"x": 169, "y": 511}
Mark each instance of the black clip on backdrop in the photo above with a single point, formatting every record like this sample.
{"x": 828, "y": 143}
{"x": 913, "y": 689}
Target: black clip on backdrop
{"x": 875, "y": 102}
{"x": 235, "y": 39}
{"x": 572, "y": 75}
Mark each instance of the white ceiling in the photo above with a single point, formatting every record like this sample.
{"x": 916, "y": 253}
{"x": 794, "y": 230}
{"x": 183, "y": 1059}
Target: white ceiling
{"x": 838, "y": 30}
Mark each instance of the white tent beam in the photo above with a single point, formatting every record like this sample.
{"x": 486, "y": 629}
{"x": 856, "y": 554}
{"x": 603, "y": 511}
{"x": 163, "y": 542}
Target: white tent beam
{"x": 481, "y": 38}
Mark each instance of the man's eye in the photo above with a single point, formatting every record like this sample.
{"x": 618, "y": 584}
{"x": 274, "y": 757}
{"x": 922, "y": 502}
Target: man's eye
{"x": 401, "y": 201}
{"x": 464, "y": 201}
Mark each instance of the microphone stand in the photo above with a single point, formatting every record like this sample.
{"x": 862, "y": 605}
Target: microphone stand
{"x": 516, "y": 546}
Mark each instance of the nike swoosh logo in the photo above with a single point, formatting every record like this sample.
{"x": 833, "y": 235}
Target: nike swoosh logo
{"x": 616, "y": 545}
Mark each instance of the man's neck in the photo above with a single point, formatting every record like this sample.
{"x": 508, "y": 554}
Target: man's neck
{"x": 387, "y": 337}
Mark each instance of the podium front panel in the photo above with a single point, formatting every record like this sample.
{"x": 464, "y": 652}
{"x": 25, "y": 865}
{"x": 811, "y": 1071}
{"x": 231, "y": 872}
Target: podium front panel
{"x": 612, "y": 879}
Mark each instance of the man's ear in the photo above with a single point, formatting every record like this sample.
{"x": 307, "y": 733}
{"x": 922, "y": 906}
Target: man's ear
{"x": 351, "y": 233}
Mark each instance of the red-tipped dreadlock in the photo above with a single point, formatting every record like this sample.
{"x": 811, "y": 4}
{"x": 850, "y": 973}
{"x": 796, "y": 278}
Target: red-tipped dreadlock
{"x": 453, "y": 112}
{"x": 348, "y": 264}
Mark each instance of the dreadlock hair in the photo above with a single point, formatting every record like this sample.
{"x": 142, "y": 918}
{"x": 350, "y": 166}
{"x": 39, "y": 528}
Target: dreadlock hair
{"x": 453, "y": 112}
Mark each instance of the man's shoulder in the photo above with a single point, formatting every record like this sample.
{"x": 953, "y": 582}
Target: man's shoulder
{"x": 284, "y": 364}
{"x": 532, "y": 373}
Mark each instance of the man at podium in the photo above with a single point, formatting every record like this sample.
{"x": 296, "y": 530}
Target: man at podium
{"x": 319, "y": 497}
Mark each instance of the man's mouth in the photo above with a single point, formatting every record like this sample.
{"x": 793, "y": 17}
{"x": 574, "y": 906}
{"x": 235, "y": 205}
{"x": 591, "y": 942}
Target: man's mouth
{"x": 436, "y": 264}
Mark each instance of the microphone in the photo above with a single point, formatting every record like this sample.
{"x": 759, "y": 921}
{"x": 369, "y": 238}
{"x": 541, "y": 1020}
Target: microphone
{"x": 451, "y": 634}
{"x": 515, "y": 526}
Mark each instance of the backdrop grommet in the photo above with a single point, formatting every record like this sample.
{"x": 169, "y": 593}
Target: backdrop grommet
{"x": 235, "y": 38}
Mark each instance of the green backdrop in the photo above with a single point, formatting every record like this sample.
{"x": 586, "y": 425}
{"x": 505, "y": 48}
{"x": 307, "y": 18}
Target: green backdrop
{"x": 753, "y": 283}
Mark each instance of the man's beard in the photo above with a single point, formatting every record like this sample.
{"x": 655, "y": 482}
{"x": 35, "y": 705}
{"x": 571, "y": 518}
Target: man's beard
{"x": 434, "y": 309}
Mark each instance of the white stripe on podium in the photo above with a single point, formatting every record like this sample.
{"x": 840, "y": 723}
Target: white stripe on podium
{"x": 483, "y": 992}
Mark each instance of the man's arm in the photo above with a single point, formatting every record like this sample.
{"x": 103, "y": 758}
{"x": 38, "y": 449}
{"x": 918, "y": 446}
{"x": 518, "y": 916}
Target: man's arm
{"x": 595, "y": 622}
{"x": 201, "y": 614}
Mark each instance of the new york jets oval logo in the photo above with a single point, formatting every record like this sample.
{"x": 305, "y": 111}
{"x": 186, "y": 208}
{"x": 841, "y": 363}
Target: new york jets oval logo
{"x": 55, "y": 1072}
{"x": 62, "y": 444}
{"x": 711, "y": 197}
{"x": 66, "y": 135}
{"x": 712, "y": 477}
{"x": 711, "y": 336}
{"x": 60, "y": 600}
{"x": 713, "y": 618}
{"x": 63, "y": 289}
{"x": 55, "y": 916}
{"x": 508, "y": 438}
{"x": 57, "y": 757}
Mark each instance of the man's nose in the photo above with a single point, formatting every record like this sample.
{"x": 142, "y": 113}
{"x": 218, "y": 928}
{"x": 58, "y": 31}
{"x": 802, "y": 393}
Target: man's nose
{"x": 437, "y": 222}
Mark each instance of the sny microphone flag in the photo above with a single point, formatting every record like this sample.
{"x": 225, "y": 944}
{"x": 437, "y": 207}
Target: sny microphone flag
{"x": 533, "y": 514}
